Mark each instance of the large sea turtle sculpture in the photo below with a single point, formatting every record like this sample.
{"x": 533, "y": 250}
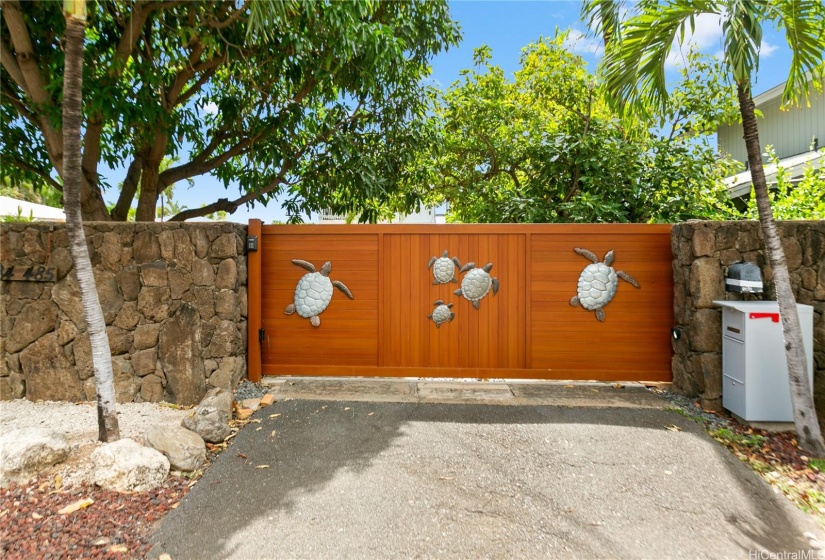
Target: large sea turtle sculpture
{"x": 598, "y": 282}
{"x": 314, "y": 292}
{"x": 444, "y": 268}
{"x": 441, "y": 313}
{"x": 477, "y": 283}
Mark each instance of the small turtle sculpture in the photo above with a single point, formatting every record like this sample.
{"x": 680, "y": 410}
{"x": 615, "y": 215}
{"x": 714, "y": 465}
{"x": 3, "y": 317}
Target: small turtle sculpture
{"x": 444, "y": 268}
{"x": 477, "y": 283}
{"x": 314, "y": 292}
{"x": 598, "y": 283}
{"x": 441, "y": 313}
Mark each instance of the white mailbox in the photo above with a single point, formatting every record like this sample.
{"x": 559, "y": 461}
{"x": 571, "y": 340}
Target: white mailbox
{"x": 755, "y": 383}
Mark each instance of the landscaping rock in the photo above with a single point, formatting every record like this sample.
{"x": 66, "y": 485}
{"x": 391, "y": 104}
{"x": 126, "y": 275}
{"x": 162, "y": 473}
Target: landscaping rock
{"x": 207, "y": 422}
{"x": 221, "y": 401}
{"x": 184, "y": 448}
{"x": 228, "y": 374}
{"x": 126, "y": 466}
{"x": 26, "y": 451}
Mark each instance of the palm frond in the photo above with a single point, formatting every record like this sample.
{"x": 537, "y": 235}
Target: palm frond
{"x": 804, "y": 24}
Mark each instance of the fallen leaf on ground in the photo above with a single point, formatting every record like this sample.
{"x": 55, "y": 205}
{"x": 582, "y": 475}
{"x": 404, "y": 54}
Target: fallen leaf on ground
{"x": 58, "y": 481}
{"x": 370, "y": 414}
{"x": 346, "y": 408}
{"x": 258, "y": 429}
{"x": 262, "y": 467}
{"x": 569, "y": 386}
{"x": 274, "y": 415}
{"x": 273, "y": 434}
{"x": 80, "y": 504}
{"x": 164, "y": 556}
{"x": 618, "y": 386}
{"x": 674, "y": 428}
{"x": 241, "y": 455}
{"x": 118, "y": 548}
{"x": 36, "y": 515}
{"x": 102, "y": 541}
{"x": 255, "y": 421}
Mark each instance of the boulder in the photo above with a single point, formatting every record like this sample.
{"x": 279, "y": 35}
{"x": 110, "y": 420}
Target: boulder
{"x": 154, "y": 274}
{"x": 49, "y": 375}
{"x": 26, "y": 451}
{"x": 146, "y": 247}
{"x": 179, "y": 355}
{"x": 207, "y": 422}
{"x": 184, "y": 448}
{"x": 202, "y": 273}
{"x": 146, "y": 336}
{"x": 153, "y": 303}
{"x": 227, "y": 275}
{"x": 707, "y": 282}
{"x": 128, "y": 317}
{"x": 200, "y": 242}
{"x": 220, "y": 400}
{"x": 228, "y": 374}
{"x": 125, "y": 466}
{"x": 36, "y": 319}
{"x": 224, "y": 247}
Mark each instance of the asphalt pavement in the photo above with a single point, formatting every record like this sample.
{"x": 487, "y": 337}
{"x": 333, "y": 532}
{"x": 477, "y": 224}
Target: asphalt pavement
{"x": 418, "y": 479}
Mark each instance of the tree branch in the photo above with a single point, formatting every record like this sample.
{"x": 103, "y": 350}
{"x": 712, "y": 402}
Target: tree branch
{"x": 42, "y": 174}
{"x": 197, "y": 85}
{"x": 232, "y": 17}
{"x": 199, "y": 167}
{"x": 10, "y": 65}
{"x": 91, "y": 148}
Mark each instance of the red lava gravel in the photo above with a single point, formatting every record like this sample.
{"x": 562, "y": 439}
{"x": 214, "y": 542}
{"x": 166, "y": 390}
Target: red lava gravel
{"x": 114, "y": 526}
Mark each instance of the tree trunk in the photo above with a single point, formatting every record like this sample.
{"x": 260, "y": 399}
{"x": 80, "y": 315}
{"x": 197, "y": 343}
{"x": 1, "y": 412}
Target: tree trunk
{"x": 149, "y": 179}
{"x": 807, "y": 425}
{"x": 72, "y": 118}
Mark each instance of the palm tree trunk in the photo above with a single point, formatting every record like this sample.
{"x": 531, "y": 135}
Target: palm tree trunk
{"x": 807, "y": 426}
{"x": 72, "y": 117}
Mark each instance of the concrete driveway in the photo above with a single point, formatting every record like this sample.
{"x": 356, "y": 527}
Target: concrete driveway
{"x": 424, "y": 479}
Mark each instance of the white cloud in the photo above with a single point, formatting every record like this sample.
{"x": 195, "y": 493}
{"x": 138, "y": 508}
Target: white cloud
{"x": 211, "y": 108}
{"x": 706, "y": 33}
{"x": 580, "y": 43}
{"x": 767, "y": 49}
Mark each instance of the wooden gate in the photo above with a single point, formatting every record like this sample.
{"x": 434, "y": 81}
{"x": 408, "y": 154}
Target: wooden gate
{"x": 527, "y": 330}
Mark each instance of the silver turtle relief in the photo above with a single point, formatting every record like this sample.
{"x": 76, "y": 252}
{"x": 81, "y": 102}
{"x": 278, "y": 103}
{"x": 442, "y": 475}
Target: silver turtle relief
{"x": 477, "y": 283}
{"x": 443, "y": 268}
{"x": 441, "y": 313}
{"x": 598, "y": 283}
{"x": 314, "y": 292}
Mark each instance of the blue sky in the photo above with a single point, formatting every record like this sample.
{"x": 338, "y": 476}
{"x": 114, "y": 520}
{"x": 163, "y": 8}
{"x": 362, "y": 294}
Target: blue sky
{"x": 507, "y": 27}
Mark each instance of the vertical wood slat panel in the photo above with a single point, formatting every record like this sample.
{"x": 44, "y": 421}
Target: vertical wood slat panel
{"x": 530, "y": 320}
{"x": 253, "y": 312}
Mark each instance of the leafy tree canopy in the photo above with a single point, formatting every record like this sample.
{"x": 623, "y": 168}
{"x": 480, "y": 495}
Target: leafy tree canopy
{"x": 307, "y": 108}
{"x": 546, "y": 146}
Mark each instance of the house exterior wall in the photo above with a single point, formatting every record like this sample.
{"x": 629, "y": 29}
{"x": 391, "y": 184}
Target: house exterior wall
{"x": 790, "y": 132}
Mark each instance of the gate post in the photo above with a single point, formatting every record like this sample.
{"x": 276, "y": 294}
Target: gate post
{"x": 253, "y": 295}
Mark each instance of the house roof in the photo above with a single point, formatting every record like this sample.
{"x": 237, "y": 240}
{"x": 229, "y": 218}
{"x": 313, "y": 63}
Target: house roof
{"x": 740, "y": 184}
{"x": 14, "y": 207}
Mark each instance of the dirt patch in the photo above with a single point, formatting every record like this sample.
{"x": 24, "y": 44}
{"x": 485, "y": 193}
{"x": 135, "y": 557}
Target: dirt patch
{"x": 115, "y": 525}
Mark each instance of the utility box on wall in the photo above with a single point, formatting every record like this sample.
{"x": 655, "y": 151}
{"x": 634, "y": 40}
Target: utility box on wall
{"x": 755, "y": 383}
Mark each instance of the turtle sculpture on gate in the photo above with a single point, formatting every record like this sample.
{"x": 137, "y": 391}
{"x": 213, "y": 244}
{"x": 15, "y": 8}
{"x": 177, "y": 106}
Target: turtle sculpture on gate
{"x": 477, "y": 283}
{"x": 441, "y": 313}
{"x": 314, "y": 292}
{"x": 598, "y": 282}
{"x": 444, "y": 268}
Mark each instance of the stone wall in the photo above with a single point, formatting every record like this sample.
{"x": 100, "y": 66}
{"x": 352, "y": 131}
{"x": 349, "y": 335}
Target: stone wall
{"x": 702, "y": 252}
{"x": 173, "y": 296}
